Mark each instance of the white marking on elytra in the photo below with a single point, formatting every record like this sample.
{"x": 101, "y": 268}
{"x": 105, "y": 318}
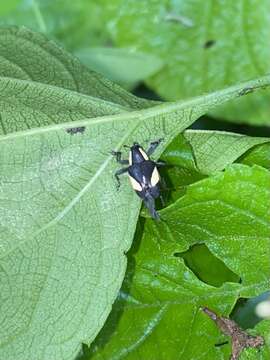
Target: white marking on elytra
{"x": 130, "y": 158}
{"x": 144, "y": 155}
{"x": 135, "y": 184}
{"x": 155, "y": 177}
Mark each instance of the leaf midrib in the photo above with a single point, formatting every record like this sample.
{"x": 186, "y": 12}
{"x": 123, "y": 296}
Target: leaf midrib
{"x": 163, "y": 109}
{"x": 140, "y": 115}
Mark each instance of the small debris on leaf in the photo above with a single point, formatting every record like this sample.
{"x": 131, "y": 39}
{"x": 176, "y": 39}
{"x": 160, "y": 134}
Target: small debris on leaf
{"x": 171, "y": 17}
{"x": 209, "y": 44}
{"x": 246, "y": 91}
{"x": 240, "y": 338}
{"x": 75, "y": 130}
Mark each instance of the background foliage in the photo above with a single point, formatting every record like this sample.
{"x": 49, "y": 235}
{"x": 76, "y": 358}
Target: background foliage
{"x": 64, "y": 228}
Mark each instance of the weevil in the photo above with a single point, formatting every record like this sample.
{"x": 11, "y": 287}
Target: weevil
{"x": 143, "y": 174}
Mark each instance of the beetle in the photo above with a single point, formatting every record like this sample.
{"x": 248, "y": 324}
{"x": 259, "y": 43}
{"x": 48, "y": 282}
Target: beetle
{"x": 143, "y": 173}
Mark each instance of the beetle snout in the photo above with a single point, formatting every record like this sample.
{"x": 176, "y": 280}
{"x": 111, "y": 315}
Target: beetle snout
{"x": 154, "y": 191}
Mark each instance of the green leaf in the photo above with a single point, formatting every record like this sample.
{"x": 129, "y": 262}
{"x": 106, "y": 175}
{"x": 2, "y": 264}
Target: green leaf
{"x": 8, "y": 6}
{"x": 160, "y": 297}
{"x": 205, "y": 46}
{"x": 196, "y": 153}
{"x": 239, "y": 222}
{"x": 180, "y": 169}
{"x": 120, "y": 65}
{"x": 179, "y": 153}
{"x": 64, "y": 227}
{"x": 259, "y": 155}
{"x": 157, "y": 313}
{"x": 76, "y": 24}
{"x": 214, "y": 150}
{"x": 176, "y": 180}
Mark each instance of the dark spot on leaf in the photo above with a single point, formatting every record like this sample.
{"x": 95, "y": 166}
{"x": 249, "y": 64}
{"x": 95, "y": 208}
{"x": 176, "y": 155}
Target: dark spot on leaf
{"x": 245, "y": 91}
{"x": 205, "y": 266}
{"x": 221, "y": 344}
{"x": 75, "y": 130}
{"x": 209, "y": 43}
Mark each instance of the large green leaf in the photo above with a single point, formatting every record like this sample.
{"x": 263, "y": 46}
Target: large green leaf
{"x": 214, "y": 150}
{"x": 157, "y": 313}
{"x": 64, "y": 227}
{"x": 205, "y": 46}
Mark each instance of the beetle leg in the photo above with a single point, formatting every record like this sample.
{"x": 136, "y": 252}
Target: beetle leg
{"x": 118, "y": 155}
{"x": 162, "y": 200}
{"x": 153, "y": 146}
{"x": 118, "y": 173}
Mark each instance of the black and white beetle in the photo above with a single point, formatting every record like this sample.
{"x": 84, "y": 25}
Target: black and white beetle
{"x": 143, "y": 174}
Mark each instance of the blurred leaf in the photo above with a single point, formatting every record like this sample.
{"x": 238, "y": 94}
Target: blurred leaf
{"x": 76, "y": 24}
{"x": 120, "y": 65}
{"x": 7, "y": 6}
{"x": 157, "y": 313}
{"x": 214, "y": 150}
{"x": 205, "y": 46}
{"x": 64, "y": 227}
